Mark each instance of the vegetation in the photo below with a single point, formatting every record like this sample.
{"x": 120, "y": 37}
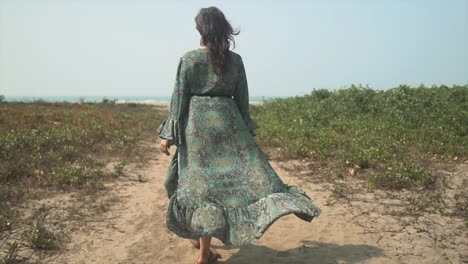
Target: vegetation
{"x": 428, "y": 201}
{"x": 388, "y": 138}
{"x": 59, "y": 146}
{"x": 393, "y": 134}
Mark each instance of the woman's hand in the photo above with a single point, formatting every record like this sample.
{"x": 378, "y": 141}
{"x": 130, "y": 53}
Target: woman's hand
{"x": 165, "y": 145}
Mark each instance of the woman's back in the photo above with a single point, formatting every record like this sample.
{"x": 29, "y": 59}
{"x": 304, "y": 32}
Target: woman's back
{"x": 202, "y": 79}
{"x": 222, "y": 184}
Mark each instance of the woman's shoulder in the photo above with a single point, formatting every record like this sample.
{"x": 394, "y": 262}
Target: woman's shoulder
{"x": 188, "y": 55}
{"x": 195, "y": 55}
{"x": 202, "y": 50}
{"x": 235, "y": 55}
{"x": 194, "y": 60}
{"x": 191, "y": 53}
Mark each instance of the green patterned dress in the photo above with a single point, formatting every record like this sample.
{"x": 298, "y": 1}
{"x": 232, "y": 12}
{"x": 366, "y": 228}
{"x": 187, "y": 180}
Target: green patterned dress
{"x": 220, "y": 183}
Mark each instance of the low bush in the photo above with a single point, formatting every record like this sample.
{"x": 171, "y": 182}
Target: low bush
{"x": 394, "y": 132}
{"x": 62, "y": 144}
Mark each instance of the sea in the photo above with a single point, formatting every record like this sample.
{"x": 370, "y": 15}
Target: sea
{"x": 118, "y": 99}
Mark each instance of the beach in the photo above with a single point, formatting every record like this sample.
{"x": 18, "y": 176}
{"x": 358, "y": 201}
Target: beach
{"x": 95, "y": 192}
{"x": 368, "y": 228}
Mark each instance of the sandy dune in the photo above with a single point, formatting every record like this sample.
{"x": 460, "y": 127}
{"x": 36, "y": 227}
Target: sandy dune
{"x": 134, "y": 231}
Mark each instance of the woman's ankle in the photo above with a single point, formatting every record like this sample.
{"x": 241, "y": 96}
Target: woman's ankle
{"x": 205, "y": 254}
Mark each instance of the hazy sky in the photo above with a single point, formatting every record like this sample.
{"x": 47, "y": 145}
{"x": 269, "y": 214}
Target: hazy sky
{"x": 131, "y": 48}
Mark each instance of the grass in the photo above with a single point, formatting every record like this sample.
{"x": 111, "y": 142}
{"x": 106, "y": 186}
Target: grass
{"x": 461, "y": 201}
{"x": 60, "y": 144}
{"x": 119, "y": 169}
{"x": 388, "y": 138}
{"x": 396, "y": 133}
{"x": 433, "y": 201}
{"x": 11, "y": 252}
{"x": 41, "y": 237}
{"x": 47, "y": 147}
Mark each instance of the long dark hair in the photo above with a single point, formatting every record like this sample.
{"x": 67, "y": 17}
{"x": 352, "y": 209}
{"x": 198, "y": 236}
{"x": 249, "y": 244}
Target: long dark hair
{"x": 216, "y": 35}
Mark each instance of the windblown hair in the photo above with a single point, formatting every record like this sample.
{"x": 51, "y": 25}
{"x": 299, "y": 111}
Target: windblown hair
{"x": 216, "y": 35}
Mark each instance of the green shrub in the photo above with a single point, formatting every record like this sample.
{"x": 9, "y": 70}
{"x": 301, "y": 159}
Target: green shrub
{"x": 42, "y": 238}
{"x": 431, "y": 201}
{"x": 401, "y": 128}
{"x": 60, "y": 144}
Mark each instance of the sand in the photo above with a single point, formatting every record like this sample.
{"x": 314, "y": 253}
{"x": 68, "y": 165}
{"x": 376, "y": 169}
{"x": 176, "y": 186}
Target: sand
{"x": 359, "y": 230}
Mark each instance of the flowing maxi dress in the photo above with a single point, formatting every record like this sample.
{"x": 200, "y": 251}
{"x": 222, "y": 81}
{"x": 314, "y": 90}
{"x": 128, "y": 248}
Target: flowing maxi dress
{"x": 220, "y": 183}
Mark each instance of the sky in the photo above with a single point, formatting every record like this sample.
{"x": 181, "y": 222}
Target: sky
{"x": 289, "y": 48}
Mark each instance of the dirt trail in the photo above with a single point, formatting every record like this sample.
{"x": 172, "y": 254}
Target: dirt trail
{"x": 134, "y": 231}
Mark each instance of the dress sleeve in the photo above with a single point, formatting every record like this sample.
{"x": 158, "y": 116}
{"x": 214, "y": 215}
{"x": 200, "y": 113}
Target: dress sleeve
{"x": 241, "y": 96}
{"x": 171, "y": 128}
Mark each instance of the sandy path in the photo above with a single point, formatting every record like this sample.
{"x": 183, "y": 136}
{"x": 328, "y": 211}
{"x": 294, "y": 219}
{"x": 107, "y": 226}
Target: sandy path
{"x": 135, "y": 232}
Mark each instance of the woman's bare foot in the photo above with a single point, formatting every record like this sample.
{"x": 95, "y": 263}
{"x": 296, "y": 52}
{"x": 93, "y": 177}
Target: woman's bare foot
{"x": 211, "y": 258}
{"x": 196, "y": 244}
{"x": 207, "y": 253}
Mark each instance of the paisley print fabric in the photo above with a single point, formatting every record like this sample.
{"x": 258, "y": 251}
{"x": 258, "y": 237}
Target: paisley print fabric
{"x": 220, "y": 183}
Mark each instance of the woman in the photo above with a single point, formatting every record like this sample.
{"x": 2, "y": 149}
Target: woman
{"x": 220, "y": 182}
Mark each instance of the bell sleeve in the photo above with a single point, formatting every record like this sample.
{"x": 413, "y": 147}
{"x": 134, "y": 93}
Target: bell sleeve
{"x": 171, "y": 128}
{"x": 241, "y": 97}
